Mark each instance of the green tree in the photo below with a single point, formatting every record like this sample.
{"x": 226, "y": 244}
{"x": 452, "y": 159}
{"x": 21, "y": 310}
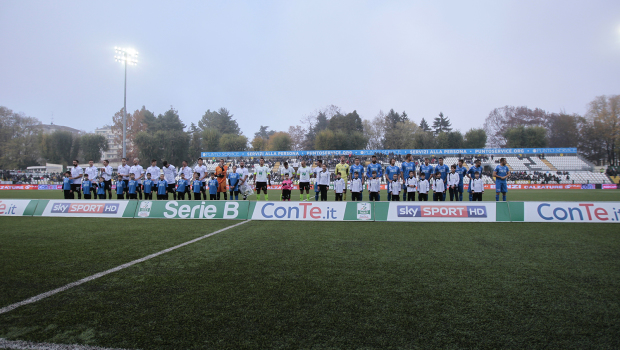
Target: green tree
{"x": 233, "y": 143}
{"x": 502, "y": 119}
{"x": 349, "y": 122}
{"x": 604, "y": 115}
{"x": 280, "y": 141}
{"x": 325, "y": 139}
{"x": 402, "y": 135}
{"x": 164, "y": 138}
{"x": 526, "y": 137}
{"x": 424, "y": 139}
{"x": 92, "y": 146}
{"x": 56, "y": 147}
{"x": 19, "y": 139}
{"x": 441, "y": 124}
{"x": 563, "y": 129}
{"x": 475, "y": 138}
{"x": 424, "y": 125}
{"x": 195, "y": 143}
{"x": 455, "y": 139}
{"x": 211, "y": 140}
{"x": 259, "y": 144}
{"x": 264, "y": 132}
{"x": 222, "y": 121}
{"x": 442, "y": 141}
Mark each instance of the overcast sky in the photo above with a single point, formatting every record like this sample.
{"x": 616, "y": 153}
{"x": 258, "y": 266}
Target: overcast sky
{"x": 273, "y": 62}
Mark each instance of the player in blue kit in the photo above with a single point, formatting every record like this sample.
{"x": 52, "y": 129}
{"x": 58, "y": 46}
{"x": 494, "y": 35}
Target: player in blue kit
{"x": 359, "y": 169}
{"x": 390, "y": 171}
{"x": 182, "y": 185}
{"x": 101, "y": 188}
{"x": 501, "y": 173}
{"x": 87, "y": 187}
{"x": 233, "y": 183}
{"x": 374, "y": 167}
{"x": 470, "y": 173}
{"x": 120, "y": 188}
{"x": 426, "y": 169}
{"x": 197, "y": 187}
{"x": 147, "y": 187}
{"x": 406, "y": 167}
{"x": 213, "y": 184}
{"x": 162, "y": 188}
{"x": 132, "y": 186}
{"x": 67, "y": 185}
{"x": 461, "y": 170}
{"x": 443, "y": 170}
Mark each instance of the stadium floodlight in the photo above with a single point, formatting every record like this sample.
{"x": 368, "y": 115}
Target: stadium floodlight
{"x": 129, "y": 57}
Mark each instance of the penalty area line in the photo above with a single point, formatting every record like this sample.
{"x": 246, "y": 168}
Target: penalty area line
{"x": 115, "y": 269}
{"x": 22, "y": 345}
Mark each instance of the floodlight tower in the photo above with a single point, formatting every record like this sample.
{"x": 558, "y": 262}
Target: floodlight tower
{"x": 128, "y": 56}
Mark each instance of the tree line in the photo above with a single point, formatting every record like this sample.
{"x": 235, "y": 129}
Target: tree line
{"x": 165, "y": 136}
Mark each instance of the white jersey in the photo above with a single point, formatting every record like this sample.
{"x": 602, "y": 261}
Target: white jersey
{"x": 477, "y": 185}
{"x": 201, "y": 170}
{"x": 395, "y": 187}
{"x": 92, "y": 172}
{"x": 106, "y": 173}
{"x": 304, "y": 174}
{"x": 339, "y": 185}
{"x": 411, "y": 181}
{"x": 188, "y": 173}
{"x": 439, "y": 185}
{"x": 423, "y": 186}
{"x": 155, "y": 172}
{"x": 453, "y": 179}
{"x": 77, "y": 171}
{"x": 260, "y": 173}
{"x": 244, "y": 174}
{"x": 356, "y": 185}
{"x": 289, "y": 171}
{"x": 374, "y": 185}
{"x": 170, "y": 173}
{"x": 124, "y": 171}
{"x": 324, "y": 178}
{"x": 137, "y": 171}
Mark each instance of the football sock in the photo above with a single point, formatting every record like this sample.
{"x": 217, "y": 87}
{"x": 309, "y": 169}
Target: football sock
{"x": 504, "y": 198}
{"x": 266, "y": 197}
{"x": 497, "y": 197}
{"x": 316, "y": 196}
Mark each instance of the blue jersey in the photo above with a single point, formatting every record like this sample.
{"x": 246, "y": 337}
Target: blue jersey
{"x": 501, "y": 170}
{"x": 181, "y": 184}
{"x": 148, "y": 186}
{"x": 471, "y": 172}
{"x": 162, "y": 186}
{"x": 213, "y": 186}
{"x": 233, "y": 179}
{"x": 131, "y": 186}
{"x": 66, "y": 183}
{"x": 461, "y": 170}
{"x": 359, "y": 169}
{"x": 374, "y": 167}
{"x": 87, "y": 186}
{"x": 407, "y": 167}
{"x": 390, "y": 170}
{"x": 427, "y": 170}
{"x": 101, "y": 188}
{"x": 120, "y": 187}
{"x": 443, "y": 170}
{"x": 196, "y": 186}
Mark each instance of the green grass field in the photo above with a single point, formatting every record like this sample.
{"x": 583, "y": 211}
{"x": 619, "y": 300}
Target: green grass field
{"x": 372, "y": 285}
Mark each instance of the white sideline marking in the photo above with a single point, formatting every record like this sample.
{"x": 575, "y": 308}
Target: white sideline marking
{"x": 20, "y": 344}
{"x": 118, "y": 268}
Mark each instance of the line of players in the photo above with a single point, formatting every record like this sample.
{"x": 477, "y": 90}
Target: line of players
{"x": 439, "y": 178}
{"x": 96, "y": 183}
{"x": 133, "y": 181}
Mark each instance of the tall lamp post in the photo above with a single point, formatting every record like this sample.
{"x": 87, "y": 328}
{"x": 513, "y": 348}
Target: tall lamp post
{"x": 128, "y": 56}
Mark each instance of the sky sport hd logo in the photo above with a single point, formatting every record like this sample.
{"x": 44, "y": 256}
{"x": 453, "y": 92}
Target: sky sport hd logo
{"x": 84, "y": 208}
{"x": 436, "y": 211}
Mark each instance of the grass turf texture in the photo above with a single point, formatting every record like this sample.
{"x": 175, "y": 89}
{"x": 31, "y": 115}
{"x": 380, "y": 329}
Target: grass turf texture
{"x": 489, "y": 195}
{"x": 343, "y": 285}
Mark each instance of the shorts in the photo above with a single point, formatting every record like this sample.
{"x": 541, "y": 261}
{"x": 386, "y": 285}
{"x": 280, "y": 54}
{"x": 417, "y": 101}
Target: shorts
{"x": 76, "y": 187}
{"x": 304, "y": 186}
{"x": 171, "y": 188}
{"x": 107, "y": 185}
{"x": 501, "y": 186}
{"x": 261, "y": 186}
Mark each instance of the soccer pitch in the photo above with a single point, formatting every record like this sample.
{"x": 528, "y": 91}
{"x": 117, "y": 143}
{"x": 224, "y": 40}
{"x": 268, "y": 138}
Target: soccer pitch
{"x": 299, "y": 284}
